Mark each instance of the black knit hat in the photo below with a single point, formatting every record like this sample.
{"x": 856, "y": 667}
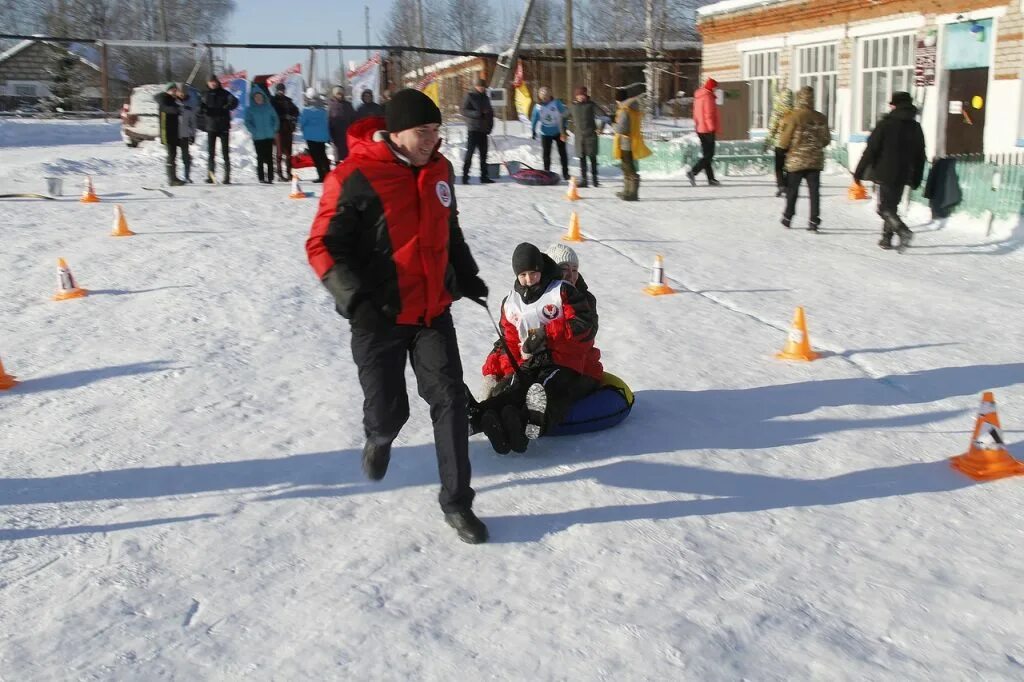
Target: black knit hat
{"x": 527, "y": 257}
{"x": 410, "y": 108}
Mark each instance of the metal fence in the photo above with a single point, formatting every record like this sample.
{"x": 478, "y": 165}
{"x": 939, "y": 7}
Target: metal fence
{"x": 989, "y": 183}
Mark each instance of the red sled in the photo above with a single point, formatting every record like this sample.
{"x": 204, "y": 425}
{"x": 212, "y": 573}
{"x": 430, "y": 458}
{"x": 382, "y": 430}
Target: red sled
{"x": 302, "y": 161}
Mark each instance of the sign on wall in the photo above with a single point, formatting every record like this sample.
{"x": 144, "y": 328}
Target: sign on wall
{"x": 925, "y": 59}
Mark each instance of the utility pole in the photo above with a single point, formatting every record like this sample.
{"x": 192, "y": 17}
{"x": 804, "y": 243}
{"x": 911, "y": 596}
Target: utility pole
{"x": 423, "y": 56}
{"x": 341, "y": 60}
{"x": 367, "y": 8}
{"x": 652, "y": 96}
{"x": 163, "y": 32}
{"x": 568, "y": 51}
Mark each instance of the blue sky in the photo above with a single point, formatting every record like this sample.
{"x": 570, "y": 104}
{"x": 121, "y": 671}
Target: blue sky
{"x": 300, "y": 21}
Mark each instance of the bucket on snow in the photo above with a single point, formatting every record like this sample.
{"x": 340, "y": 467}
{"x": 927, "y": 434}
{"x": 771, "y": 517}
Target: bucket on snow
{"x": 55, "y": 186}
{"x": 493, "y": 170}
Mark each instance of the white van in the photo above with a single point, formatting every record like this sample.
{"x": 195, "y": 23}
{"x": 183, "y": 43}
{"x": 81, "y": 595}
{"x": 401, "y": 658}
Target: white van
{"x": 140, "y": 117}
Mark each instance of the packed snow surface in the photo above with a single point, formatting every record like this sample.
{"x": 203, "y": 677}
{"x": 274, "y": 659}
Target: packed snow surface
{"x": 180, "y": 485}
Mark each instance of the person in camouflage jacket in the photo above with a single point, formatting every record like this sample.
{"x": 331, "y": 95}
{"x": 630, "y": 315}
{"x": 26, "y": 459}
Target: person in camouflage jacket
{"x": 781, "y": 107}
{"x": 805, "y": 134}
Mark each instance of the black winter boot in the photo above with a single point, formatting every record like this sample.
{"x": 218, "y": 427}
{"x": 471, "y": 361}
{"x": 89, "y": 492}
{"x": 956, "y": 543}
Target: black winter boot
{"x": 490, "y": 424}
{"x": 537, "y": 407}
{"x": 376, "y": 458}
{"x": 468, "y": 526}
{"x": 515, "y": 432}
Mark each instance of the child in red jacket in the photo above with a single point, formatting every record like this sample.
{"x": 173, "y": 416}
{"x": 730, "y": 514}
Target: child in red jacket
{"x": 544, "y": 362}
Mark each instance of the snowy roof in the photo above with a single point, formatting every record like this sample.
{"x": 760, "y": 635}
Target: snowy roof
{"x": 527, "y": 47}
{"x": 726, "y": 6}
{"x": 87, "y": 54}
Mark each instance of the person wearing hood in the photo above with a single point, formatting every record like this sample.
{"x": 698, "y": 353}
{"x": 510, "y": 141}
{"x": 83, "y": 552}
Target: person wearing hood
{"x": 316, "y": 130}
{"x": 287, "y": 116}
{"x": 387, "y": 244}
{"x": 552, "y": 116}
{"x": 479, "y": 115}
{"x": 340, "y": 117}
{"x": 705, "y": 119}
{"x": 781, "y": 106}
{"x": 367, "y": 107}
{"x": 170, "y": 113}
{"x": 894, "y": 159}
{"x": 804, "y": 136}
{"x": 216, "y": 107}
{"x": 261, "y": 121}
{"x": 188, "y": 102}
{"x": 544, "y": 361}
{"x": 628, "y": 143}
{"x": 583, "y": 118}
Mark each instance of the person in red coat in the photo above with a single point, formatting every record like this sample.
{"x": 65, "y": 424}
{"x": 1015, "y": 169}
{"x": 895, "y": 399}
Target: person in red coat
{"x": 544, "y": 361}
{"x": 705, "y": 118}
{"x": 387, "y": 244}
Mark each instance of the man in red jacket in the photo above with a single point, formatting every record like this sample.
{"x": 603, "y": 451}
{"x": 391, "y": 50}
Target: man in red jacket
{"x": 386, "y": 243}
{"x": 705, "y": 118}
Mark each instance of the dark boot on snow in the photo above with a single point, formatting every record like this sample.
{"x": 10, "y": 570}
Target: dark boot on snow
{"x": 536, "y": 409}
{"x": 515, "y": 432}
{"x": 468, "y": 526}
{"x": 490, "y": 424}
{"x": 376, "y": 458}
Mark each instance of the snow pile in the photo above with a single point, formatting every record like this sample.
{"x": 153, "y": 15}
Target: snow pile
{"x": 32, "y": 133}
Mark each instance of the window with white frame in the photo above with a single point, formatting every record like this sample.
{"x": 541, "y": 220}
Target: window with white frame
{"x": 761, "y": 70}
{"x": 886, "y": 66}
{"x": 816, "y": 66}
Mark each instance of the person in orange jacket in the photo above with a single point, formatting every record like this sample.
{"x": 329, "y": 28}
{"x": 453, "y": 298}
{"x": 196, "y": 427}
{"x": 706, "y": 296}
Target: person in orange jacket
{"x": 705, "y": 117}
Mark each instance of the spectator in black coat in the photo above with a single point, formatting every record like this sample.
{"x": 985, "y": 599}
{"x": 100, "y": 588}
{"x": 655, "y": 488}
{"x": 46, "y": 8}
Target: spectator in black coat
{"x": 170, "y": 111}
{"x": 340, "y": 115}
{"x": 217, "y": 106}
{"x": 479, "y": 115}
{"x": 894, "y": 158}
{"x": 287, "y": 115}
{"x": 368, "y": 107}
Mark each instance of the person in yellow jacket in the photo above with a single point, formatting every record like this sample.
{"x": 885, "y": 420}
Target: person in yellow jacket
{"x": 628, "y": 144}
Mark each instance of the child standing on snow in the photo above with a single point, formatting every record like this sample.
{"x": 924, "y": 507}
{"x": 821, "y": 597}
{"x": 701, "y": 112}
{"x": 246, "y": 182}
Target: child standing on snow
{"x": 552, "y": 115}
{"x": 546, "y": 362}
{"x": 262, "y": 122}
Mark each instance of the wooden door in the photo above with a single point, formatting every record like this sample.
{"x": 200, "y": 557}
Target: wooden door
{"x": 965, "y": 117}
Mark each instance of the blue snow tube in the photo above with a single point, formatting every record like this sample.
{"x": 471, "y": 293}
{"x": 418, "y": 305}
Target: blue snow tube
{"x": 604, "y": 408}
{"x": 532, "y": 176}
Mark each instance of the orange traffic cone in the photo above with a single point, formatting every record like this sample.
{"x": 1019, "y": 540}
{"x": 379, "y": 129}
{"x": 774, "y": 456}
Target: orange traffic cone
{"x": 657, "y": 286}
{"x": 297, "y": 192}
{"x": 857, "y": 192}
{"x": 573, "y": 234}
{"x": 987, "y": 459}
{"x": 88, "y": 193}
{"x": 6, "y": 380}
{"x": 66, "y": 285}
{"x": 573, "y": 194}
{"x": 798, "y": 344}
{"x": 120, "y": 223}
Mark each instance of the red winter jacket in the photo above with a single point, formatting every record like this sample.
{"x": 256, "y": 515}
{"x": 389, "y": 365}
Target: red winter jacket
{"x": 569, "y": 339}
{"x": 388, "y": 232}
{"x": 705, "y": 108}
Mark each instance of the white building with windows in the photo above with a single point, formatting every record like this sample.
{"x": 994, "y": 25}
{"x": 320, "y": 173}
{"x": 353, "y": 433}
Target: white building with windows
{"x": 961, "y": 61}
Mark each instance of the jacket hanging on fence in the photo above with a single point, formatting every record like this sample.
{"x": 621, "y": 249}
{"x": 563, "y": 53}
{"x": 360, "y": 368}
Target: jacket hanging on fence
{"x": 942, "y": 189}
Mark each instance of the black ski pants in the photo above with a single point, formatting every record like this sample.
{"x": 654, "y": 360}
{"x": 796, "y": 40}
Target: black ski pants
{"x": 380, "y": 355}
{"x": 593, "y": 167}
{"x": 813, "y": 178}
{"x": 477, "y": 140}
{"x": 264, "y": 159}
{"x": 283, "y": 147}
{"x": 889, "y": 197}
{"x": 172, "y": 159}
{"x": 545, "y": 144}
{"x": 562, "y": 385}
{"x": 781, "y": 179}
{"x": 211, "y": 148}
{"x": 707, "y": 151}
{"x": 318, "y": 150}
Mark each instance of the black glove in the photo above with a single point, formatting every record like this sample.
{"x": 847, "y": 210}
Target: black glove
{"x": 369, "y": 317}
{"x": 535, "y": 343}
{"x": 474, "y": 287}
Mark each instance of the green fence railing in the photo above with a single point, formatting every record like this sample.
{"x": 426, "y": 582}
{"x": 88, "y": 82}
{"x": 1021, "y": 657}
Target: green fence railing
{"x": 986, "y": 186}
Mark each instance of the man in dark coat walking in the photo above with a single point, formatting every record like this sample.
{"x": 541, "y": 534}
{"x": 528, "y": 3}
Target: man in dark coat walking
{"x": 387, "y": 244}
{"x": 340, "y": 116}
{"x": 479, "y": 115}
{"x": 287, "y": 116}
{"x": 217, "y": 106}
{"x": 804, "y": 136}
{"x": 170, "y": 111}
{"x": 894, "y": 158}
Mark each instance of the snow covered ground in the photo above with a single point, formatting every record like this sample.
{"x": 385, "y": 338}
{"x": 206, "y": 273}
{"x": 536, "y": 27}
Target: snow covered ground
{"x": 181, "y": 495}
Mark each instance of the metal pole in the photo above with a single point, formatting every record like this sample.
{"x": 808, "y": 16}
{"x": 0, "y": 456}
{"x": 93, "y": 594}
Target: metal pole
{"x": 341, "y": 60}
{"x": 367, "y": 8}
{"x": 568, "y": 51}
{"x": 104, "y": 79}
{"x": 163, "y": 35}
{"x": 423, "y": 43}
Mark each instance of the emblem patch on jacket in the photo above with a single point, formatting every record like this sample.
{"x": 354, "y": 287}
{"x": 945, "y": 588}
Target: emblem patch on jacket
{"x": 444, "y": 193}
{"x": 550, "y": 311}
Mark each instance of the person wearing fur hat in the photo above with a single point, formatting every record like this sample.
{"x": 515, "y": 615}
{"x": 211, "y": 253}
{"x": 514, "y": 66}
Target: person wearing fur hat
{"x": 706, "y": 120}
{"x": 479, "y": 115}
{"x": 170, "y": 111}
{"x": 539, "y": 367}
{"x": 583, "y": 119}
{"x": 387, "y": 245}
{"x": 628, "y": 143}
{"x": 552, "y": 116}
